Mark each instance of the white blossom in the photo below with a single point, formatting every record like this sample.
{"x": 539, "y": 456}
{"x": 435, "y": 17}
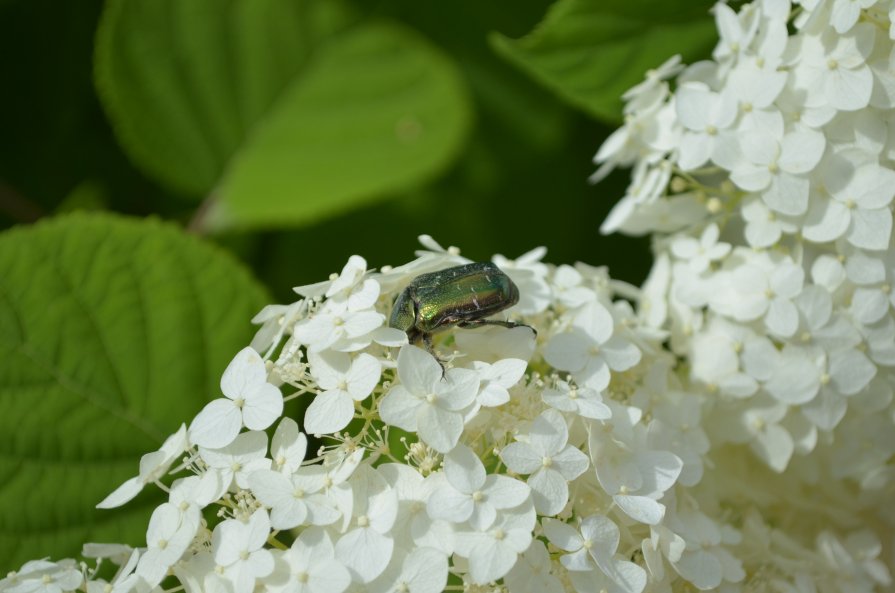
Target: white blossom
{"x": 532, "y": 572}
{"x": 413, "y": 522}
{"x": 774, "y": 166}
{"x": 43, "y": 576}
{"x": 168, "y": 536}
{"x": 548, "y": 460}
{"x": 699, "y": 254}
{"x": 633, "y": 475}
{"x": 469, "y": 494}
{"x": 152, "y": 467}
{"x": 233, "y": 464}
{"x": 832, "y": 67}
{"x": 594, "y": 545}
{"x": 493, "y": 551}
{"x": 294, "y": 500}
{"x": 423, "y": 570}
{"x": 704, "y": 114}
{"x": 591, "y": 350}
{"x": 496, "y": 379}
{"x": 250, "y": 401}
{"x": 344, "y": 381}
{"x": 368, "y": 545}
{"x": 238, "y": 550}
{"x": 288, "y": 446}
{"x": 426, "y": 401}
{"x": 309, "y": 566}
{"x": 583, "y": 401}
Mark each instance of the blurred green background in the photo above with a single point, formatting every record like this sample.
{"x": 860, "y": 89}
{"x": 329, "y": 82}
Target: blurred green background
{"x": 285, "y": 135}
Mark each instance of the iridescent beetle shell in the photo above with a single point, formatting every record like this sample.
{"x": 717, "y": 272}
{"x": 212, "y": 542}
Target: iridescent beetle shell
{"x": 463, "y": 296}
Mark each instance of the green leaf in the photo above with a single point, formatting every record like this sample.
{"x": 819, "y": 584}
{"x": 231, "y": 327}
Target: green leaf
{"x": 591, "y": 51}
{"x": 378, "y": 111}
{"x": 184, "y": 82}
{"x": 112, "y": 333}
{"x": 279, "y": 108}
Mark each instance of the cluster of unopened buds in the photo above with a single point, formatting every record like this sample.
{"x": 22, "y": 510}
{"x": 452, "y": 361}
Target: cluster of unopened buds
{"x": 729, "y": 426}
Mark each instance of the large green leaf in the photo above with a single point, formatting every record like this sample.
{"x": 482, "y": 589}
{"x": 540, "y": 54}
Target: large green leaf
{"x": 378, "y": 110}
{"x": 591, "y": 51}
{"x": 183, "y": 82}
{"x": 280, "y": 109}
{"x": 112, "y": 333}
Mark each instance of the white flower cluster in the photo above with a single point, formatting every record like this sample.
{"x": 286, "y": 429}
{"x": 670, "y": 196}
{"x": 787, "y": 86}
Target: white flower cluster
{"x": 521, "y": 462}
{"x": 766, "y": 177}
{"x": 735, "y": 431}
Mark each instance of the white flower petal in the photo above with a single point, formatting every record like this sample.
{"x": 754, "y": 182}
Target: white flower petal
{"x": 418, "y": 370}
{"x": 425, "y": 571}
{"x": 244, "y": 372}
{"x": 783, "y": 317}
{"x": 591, "y": 407}
{"x": 571, "y": 463}
{"x": 826, "y": 410}
{"x": 124, "y": 493}
{"x": 562, "y": 535}
{"x": 365, "y": 553}
{"x": 464, "y": 470}
{"x": 801, "y": 151}
{"x": 549, "y": 433}
{"x": 330, "y": 412}
{"x": 550, "y": 491}
{"x": 489, "y": 562}
{"x": 504, "y": 492}
{"x": 363, "y": 376}
{"x": 775, "y": 446}
{"x": 630, "y": 577}
{"x": 870, "y": 229}
{"x": 521, "y": 458}
{"x": 458, "y": 389}
{"x": 595, "y": 374}
{"x": 262, "y": 407}
{"x": 850, "y": 371}
{"x": 620, "y": 354}
{"x": 693, "y": 104}
{"x": 826, "y": 220}
{"x": 216, "y": 425}
{"x": 362, "y": 323}
{"x": 439, "y": 428}
{"x": 288, "y": 446}
{"x": 700, "y": 568}
{"x": 869, "y": 305}
{"x": 399, "y": 408}
{"x": 448, "y": 504}
{"x": 640, "y": 508}
{"x": 849, "y": 90}
{"x": 795, "y": 380}
{"x": 787, "y": 194}
{"x": 567, "y": 352}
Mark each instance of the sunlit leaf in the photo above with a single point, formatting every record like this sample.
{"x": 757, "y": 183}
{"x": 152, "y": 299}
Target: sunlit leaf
{"x": 281, "y": 110}
{"x": 112, "y": 333}
{"x": 592, "y": 51}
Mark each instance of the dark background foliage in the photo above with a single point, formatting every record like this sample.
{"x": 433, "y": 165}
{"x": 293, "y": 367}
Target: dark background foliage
{"x": 284, "y": 135}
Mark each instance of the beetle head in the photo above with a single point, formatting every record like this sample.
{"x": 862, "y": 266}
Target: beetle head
{"x": 403, "y": 315}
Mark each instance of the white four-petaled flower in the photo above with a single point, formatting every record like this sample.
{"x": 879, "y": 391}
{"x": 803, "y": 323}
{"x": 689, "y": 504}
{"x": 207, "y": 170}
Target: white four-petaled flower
{"x": 429, "y": 400}
{"x": 250, "y": 401}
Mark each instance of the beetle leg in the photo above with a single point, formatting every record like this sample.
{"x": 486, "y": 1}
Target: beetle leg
{"x": 427, "y": 340}
{"x": 507, "y": 324}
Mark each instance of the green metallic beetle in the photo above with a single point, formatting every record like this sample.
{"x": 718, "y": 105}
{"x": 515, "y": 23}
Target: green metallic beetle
{"x": 463, "y": 296}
